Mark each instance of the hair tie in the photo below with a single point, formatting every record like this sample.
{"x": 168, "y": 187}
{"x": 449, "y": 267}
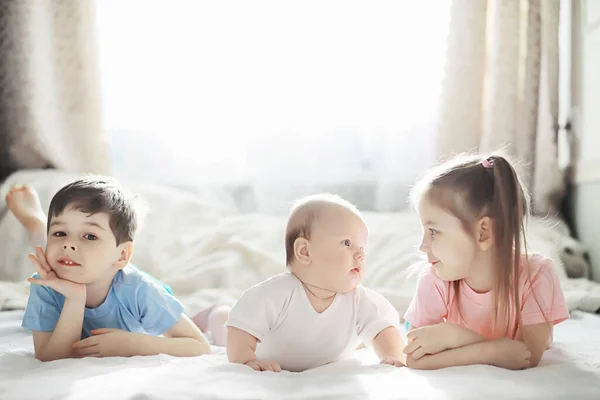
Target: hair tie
{"x": 487, "y": 163}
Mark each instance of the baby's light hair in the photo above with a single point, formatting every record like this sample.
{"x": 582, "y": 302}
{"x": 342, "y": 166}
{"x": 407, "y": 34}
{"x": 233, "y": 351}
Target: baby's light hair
{"x": 303, "y": 214}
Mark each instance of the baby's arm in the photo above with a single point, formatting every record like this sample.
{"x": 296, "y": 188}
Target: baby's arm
{"x": 252, "y": 318}
{"x": 388, "y": 346}
{"x": 241, "y": 346}
{"x": 241, "y": 349}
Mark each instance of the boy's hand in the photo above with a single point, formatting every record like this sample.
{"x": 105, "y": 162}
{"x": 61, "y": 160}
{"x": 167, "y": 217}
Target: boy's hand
{"x": 107, "y": 342}
{"x": 393, "y": 361}
{"x": 430, "y": 339}
{"x": 71, "y": 290}
{"x": 260, "y": 365}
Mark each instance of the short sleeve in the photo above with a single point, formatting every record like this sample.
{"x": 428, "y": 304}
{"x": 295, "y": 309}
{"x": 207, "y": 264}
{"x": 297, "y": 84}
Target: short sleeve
{"x": 159, "y": 310}
{"x": 375, "y": 313}
{"x": 43, "y": 309}
{"x": 543, "y": 299}
{"x": 429, "y": 303}
{"x": 255, "y": 312}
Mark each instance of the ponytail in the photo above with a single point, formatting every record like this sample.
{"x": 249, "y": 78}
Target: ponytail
{"x": 509, "y": 209}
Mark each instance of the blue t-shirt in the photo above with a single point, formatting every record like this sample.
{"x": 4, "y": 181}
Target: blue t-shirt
{"x": 136, "y": 302}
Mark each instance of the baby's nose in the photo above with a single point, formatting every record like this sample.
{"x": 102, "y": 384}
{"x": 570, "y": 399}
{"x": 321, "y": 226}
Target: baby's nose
{"x": 360, "y": 255}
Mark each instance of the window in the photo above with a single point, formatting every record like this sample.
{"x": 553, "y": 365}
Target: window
{"x": 278, "y": 93}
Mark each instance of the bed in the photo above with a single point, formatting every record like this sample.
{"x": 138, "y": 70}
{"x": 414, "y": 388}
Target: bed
{"x": 208, "y": 251}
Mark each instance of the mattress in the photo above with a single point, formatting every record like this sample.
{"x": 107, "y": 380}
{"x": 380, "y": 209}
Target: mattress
{"x": 569, "y": 370}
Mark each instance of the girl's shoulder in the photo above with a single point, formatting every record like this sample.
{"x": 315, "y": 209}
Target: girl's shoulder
{"x": 537, "y": 262}
{"x": 535, "y": 265}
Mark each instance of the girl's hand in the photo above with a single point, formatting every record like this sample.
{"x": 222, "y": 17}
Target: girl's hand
{"x": 510, "y": 354}
{"x": 71, "y": 290}
{"x": 430, "y": 339}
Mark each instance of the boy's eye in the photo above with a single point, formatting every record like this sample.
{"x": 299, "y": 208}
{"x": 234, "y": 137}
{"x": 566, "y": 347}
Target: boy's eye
{"x": 59, "y": 234}
{"x": 89, "y": 236}
{"x": 347, "y": 242}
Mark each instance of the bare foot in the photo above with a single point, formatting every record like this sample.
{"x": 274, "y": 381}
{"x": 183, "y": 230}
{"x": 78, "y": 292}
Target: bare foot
{"x": 24, "y": 203}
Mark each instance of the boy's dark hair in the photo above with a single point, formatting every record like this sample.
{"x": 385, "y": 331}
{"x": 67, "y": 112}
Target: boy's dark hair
{"x": 99, "y": 195}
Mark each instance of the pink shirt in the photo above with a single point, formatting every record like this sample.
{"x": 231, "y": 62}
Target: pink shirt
{"x": 541, "y": 296}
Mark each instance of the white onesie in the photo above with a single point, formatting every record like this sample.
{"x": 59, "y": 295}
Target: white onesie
{"x": 289, "y": 330}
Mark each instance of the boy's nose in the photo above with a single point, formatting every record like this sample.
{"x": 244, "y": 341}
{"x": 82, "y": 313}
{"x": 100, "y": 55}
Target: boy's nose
{"x": 70, "y": 246}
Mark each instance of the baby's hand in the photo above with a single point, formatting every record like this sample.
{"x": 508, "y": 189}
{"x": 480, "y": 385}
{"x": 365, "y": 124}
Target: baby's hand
{"x": 393, "y": 361}
{"x": 260, "y": 365}
{"x": 430, "y": 339}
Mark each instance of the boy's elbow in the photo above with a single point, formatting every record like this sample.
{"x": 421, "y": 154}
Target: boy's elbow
{"x": 44, "y": 357}
{"x": 200, "y": 348}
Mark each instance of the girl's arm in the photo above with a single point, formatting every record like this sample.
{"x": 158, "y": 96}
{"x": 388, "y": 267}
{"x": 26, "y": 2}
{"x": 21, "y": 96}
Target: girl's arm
{"x": 433, "y": 339}
{"x": 503, "y": 353}
{"x": 537, "y": 338}
{"x": 444, "y": 337}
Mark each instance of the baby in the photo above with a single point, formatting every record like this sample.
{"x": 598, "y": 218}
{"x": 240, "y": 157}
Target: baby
{"x": 86, "y": 299}
{"x": 318, "y": 312}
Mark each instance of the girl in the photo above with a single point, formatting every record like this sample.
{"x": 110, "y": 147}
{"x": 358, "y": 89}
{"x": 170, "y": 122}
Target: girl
{"x": 481, "y": 299}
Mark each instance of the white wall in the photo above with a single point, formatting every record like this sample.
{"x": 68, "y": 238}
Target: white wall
{"x": 586, "y": 98}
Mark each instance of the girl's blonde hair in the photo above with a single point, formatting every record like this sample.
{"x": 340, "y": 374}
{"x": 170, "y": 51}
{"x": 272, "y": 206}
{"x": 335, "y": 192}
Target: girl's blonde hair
{"x": 471, "y": 187}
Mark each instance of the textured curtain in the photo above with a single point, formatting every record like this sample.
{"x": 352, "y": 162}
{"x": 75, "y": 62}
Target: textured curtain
{"x": 49, "y": 89}
{"x": 501, "y": 89}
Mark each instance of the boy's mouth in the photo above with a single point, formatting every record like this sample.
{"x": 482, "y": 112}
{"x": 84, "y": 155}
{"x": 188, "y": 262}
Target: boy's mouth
{"x": 67, "y": 262}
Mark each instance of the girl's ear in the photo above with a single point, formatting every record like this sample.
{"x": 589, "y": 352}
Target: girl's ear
{"x": 302, "y": 250}
{"x": 485, "y": 233}
{"x": 125, "y": 254}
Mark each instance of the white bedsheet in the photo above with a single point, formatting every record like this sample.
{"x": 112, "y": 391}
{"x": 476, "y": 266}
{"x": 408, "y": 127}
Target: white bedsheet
{"x": 569, "y": 370}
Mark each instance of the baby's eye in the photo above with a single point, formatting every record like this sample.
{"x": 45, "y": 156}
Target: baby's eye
{"x": 89, "y": 236}
{"x": 347, "y": 242}
{"x": 59, "y": 234}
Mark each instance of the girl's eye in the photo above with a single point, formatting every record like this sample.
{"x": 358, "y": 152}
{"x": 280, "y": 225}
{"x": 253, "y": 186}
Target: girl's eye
{"x": 59, "y": 234}
{"x": 432, "y": 231}
{"x": 89, "y": 236}
{"x": 347, "y": 242}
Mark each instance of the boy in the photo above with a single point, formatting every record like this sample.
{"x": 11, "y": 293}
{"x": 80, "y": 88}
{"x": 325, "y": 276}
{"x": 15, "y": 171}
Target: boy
{"x": 318, "y": 312}
{"x": 86, "y": 300}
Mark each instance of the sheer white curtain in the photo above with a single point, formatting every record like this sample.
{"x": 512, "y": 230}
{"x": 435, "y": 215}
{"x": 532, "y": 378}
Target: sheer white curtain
{"x": 282, "y": 97}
